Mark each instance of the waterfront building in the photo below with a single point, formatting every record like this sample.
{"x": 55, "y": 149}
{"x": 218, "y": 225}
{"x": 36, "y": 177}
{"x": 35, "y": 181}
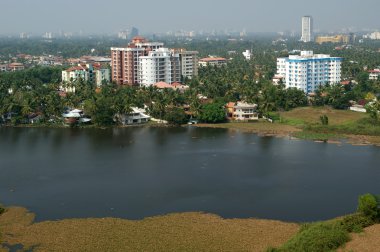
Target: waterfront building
{"x": 308, "y": 71}
{"x": 242, "y": 111}
{"x": 307, "y": 29}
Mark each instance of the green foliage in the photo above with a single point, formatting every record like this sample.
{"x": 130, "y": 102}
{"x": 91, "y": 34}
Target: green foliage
{"x": 330, "y": 235}
{"x": 324, "y": 119}
{"x": 373, "y": 109}
{"x": 369, "y": 206}
{"x": 2, "y": 210}
{"x": 356, "y": 222}
{"x": 213, "y": 113}
{"x": 175, "y": 116}
{"x": 317, "y": 237}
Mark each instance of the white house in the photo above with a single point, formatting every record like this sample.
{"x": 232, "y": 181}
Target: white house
{"x": 137, "y": 116}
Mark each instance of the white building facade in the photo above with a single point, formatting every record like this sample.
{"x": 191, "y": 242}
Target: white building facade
{"x": 247, "y": 54}
{"x": 307, "y": 29}
{"x": 308, "y": 71}
{"x": 156, "y": 67}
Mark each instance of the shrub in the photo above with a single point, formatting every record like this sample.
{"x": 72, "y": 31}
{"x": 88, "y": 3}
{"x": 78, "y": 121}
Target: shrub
{"x": 324, "y": 120}
{"x": 368, "y": 206}
{"x": 317, "y": 237}
{"x": 175, "y": 116}
{"x": 2, "y": 210}
{"x": 356, "y": 222}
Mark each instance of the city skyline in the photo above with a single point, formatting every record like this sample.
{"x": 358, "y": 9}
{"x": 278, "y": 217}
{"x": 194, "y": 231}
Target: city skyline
{"x": 39, "y": 16}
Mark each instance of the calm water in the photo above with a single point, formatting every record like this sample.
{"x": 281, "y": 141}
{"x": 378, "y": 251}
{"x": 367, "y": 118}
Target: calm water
{"x": 139, "y": 172}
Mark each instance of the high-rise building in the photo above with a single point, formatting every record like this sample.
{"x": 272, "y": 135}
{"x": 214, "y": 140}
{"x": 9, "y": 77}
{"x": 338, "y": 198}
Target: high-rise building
{"x": 157, "y": 67}
{"x": 134, "y": 32}
{"x": 145, "y": 63}
{"x": 308, "y": 71}
{"x": 307, "y": 29}
{"x": 125, "y": 60}
{"x": 188, "y": 63}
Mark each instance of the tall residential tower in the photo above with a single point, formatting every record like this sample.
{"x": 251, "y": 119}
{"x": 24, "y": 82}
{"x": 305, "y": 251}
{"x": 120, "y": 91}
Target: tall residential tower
{"x": 308, "y": 71}
{"x": 307, "y": 29}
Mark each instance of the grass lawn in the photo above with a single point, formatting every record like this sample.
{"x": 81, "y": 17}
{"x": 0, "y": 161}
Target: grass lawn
{"x": 311, "y": 115}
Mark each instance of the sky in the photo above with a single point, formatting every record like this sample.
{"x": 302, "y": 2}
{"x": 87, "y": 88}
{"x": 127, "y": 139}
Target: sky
{"x": 152, "y": 16}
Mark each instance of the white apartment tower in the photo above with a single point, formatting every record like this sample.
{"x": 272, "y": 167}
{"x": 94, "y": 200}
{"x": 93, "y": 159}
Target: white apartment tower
{"x": 308, "y": 71}
{"x": 307, "y": 29}
{"x": 157, "y": 67}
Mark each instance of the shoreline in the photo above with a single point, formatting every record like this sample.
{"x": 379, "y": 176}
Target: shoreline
{"x": 261, "y": 128}
{"x": 290, "y": 132}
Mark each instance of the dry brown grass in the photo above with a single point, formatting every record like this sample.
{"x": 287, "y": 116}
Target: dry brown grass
{"x": 312, "y": 114}
{"x": 173, "y": 232}
{"x": 369, "y": 241}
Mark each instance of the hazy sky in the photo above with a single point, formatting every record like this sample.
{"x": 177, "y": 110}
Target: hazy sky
{"x": 99, "y": 16}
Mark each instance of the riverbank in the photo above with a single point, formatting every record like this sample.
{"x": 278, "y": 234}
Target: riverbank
{"x": 172, "y": 232}
{"x": 304, "y": 123}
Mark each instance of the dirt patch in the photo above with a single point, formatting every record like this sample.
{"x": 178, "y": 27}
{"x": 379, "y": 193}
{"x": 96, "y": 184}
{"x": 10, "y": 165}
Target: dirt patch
{"x": 173, "y": 232}
{"x": 369, "y": 241}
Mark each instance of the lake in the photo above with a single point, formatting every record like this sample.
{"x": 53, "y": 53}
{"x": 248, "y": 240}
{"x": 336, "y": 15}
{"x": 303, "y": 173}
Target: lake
{"x": 145, "y": 171}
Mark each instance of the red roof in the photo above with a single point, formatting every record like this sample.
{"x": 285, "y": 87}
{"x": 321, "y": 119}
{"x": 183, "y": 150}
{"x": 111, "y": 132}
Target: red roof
{"x": 162, "y": 85}
{"x": 374, "y": 71}
{"x": 176, "y": 84}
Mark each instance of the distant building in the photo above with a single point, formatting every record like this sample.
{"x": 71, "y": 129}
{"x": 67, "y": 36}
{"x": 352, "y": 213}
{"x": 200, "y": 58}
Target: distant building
{"x": 24, "y": 35}
{"x": 309, "y": 71}
{"x": 3, "y": 68}
{"x": 307, "y": 29}
{"x": 373, "y": 35}
{"x": 346, "y": 39}
{"x": 212, "y": 61}
{"x": 123, "y": 34}
{"x": 48, "y": 35}
{"x": 15, "y": 67}
{"x": 87, "y": 72}
{"x": 134, "y": 32}
{"x": 374, "y": 74}
{"x": 247, "y": 54}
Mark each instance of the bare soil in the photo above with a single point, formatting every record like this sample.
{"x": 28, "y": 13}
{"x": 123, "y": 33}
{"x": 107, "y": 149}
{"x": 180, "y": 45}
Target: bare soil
{"x": 368, "y": 241}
